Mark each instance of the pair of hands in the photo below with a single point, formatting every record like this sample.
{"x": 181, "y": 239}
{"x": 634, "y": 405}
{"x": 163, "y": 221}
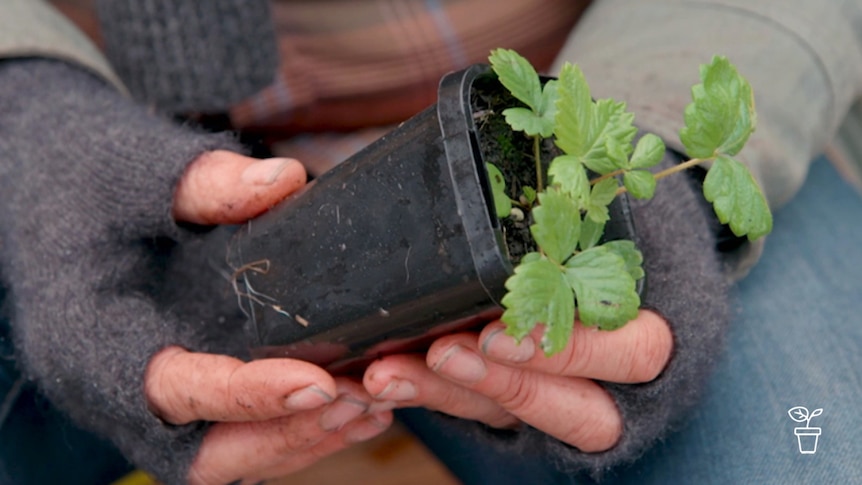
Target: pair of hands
{"x": 274, "y": 417}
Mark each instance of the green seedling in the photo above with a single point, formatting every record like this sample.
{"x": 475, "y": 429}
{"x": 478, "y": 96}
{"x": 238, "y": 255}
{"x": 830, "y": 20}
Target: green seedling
{"x": 571, "y": 272}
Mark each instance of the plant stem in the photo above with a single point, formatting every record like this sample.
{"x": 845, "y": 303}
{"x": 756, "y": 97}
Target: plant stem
{"x": 672, "y": 170}
{"x": 607, "y": 176}
{"x": 537, "y": 154}
{"x": 680, "y": 167}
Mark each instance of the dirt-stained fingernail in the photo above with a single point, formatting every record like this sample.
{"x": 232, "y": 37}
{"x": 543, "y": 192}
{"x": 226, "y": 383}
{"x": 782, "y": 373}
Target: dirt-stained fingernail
{"x": 309, "y": 397}
{"x": 344, "y": 410}
{"x": 461, "y": 364}
{"x": 380, "y": 406}
{"x": 265, "y": 172}
{"x": 504, "y": 347}
{"x": 398, "y": 390}
{"x": 366, "y": 429}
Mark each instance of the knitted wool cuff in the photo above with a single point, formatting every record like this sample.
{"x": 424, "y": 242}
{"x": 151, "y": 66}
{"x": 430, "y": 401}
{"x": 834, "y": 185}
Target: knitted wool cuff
{"x": 190, "y": 56}
{"x": 685, "y": 284}
{"x": 87, "y": 179}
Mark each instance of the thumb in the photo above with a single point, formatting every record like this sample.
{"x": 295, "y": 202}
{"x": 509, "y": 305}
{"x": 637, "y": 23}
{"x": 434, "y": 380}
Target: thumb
{"x": 222, "y": 187}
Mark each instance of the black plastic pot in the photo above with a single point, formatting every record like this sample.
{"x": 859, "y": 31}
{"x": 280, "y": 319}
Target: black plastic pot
{"x": 396, "y": 245}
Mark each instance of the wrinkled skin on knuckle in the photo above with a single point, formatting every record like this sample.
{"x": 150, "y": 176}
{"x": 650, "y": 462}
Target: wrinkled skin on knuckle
{"x": 236, "y": 394}
{"x": 209, "y": 476}
{"x": 502, "y": 419}
{"x": 451, "y": 402}
{"x": 519, "y": 393}
{"x": 160, "y": 390}
{"x": 245, "y": 397}
{"x": 596, "y": 435}
{"x": 459, "y": 402}
{"x": 598, "y": 425}
{"x": 287, "y": 442}
{"x": 651, "y": 353}
{"x": 580, "y": 355}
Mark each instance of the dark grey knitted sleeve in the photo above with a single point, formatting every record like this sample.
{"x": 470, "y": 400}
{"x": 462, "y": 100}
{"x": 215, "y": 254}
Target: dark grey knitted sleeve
{"x": 686, "y": 285}
{"x": 87, "y": 181}
{"x": 190, "y": 55}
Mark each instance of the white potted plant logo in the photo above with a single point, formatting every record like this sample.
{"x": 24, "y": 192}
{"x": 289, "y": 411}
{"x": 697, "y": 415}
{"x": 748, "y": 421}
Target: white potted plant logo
{"x": 807, "y": 436}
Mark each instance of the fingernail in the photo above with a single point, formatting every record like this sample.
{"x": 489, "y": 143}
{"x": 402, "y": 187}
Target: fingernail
{"x": 365, "y": 430}
{"x": 310, "y": 397}
{"x": 265, "y": 172}
{"x": 345, "y": 409}
{"x": 380, "y": 406}
{"x": 398, "y": 390}
{"x": 501, "y": 346}
{"x": 461, "y": 364}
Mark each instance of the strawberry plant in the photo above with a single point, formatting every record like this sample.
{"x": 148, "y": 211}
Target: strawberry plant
{"x": 573, "y": 273}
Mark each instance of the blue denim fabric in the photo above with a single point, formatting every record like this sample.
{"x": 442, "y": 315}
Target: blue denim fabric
{"x": 797, "y": 341}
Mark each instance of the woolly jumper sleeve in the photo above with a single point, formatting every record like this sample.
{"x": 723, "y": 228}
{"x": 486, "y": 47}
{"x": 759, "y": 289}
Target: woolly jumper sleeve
{"x": 86, "y": 236}
{"x": 187, "y": 55}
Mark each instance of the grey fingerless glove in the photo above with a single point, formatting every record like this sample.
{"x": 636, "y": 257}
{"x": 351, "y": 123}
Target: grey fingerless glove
{"x": 86, "y": 232}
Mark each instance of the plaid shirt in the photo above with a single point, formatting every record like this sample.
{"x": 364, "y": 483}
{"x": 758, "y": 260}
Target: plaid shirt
{"x": 347, "y": 64}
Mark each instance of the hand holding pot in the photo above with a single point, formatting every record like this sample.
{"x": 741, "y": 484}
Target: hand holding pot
{"x": 609, "y": 395}
{"x": 490, "y": 378}
{"x": 105, "y": 282}
{"x": 272, "y": 417}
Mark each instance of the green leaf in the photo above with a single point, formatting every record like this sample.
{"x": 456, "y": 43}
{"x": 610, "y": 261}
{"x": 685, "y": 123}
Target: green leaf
{"x": 737, "y": 198}
{"x": 558, "y": 334}
{"x": 530, "y": 257}
{"x": 598, "y": 133}
{"x": 602, "y": 195}
{"x": 574, "y": 111}
{"x": 557, "y": 225}
{"x": 630, "y": 254}
{"x": 610, "y": 137}
{"x": 539, "y": 293}
{"x": 604, "y": 288}
{"x": 567, "y": 172}
{"x": 640, "y": 183}
{"x": 591, "y": 233}
{"x": 522, "y": 119}
{"x": 518, "y": 76}
{"x": 502, "y": 203}
{"x": 521, "y": 79}
{"x": 721, "y": 116}
{"x": 548, "y": 109}
{"x": 529, "y": 194}
{"x": 648, "y": 152}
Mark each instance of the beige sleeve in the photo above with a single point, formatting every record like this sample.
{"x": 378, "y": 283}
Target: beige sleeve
{"x": 803, "y": 59}
{"x": 32, "y": 28}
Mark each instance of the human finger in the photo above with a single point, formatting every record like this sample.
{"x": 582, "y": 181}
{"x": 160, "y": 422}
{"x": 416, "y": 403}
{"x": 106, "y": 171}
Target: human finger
{"x": 235, "y": 451}
{"x": 223, "y": 187}
{"x": 572, "y": 409}
{"x": 362, "y": 429}
{"x": 184, "y": 386}
{"x": 635, "y": 353}
{"x": 406, "y": 381}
